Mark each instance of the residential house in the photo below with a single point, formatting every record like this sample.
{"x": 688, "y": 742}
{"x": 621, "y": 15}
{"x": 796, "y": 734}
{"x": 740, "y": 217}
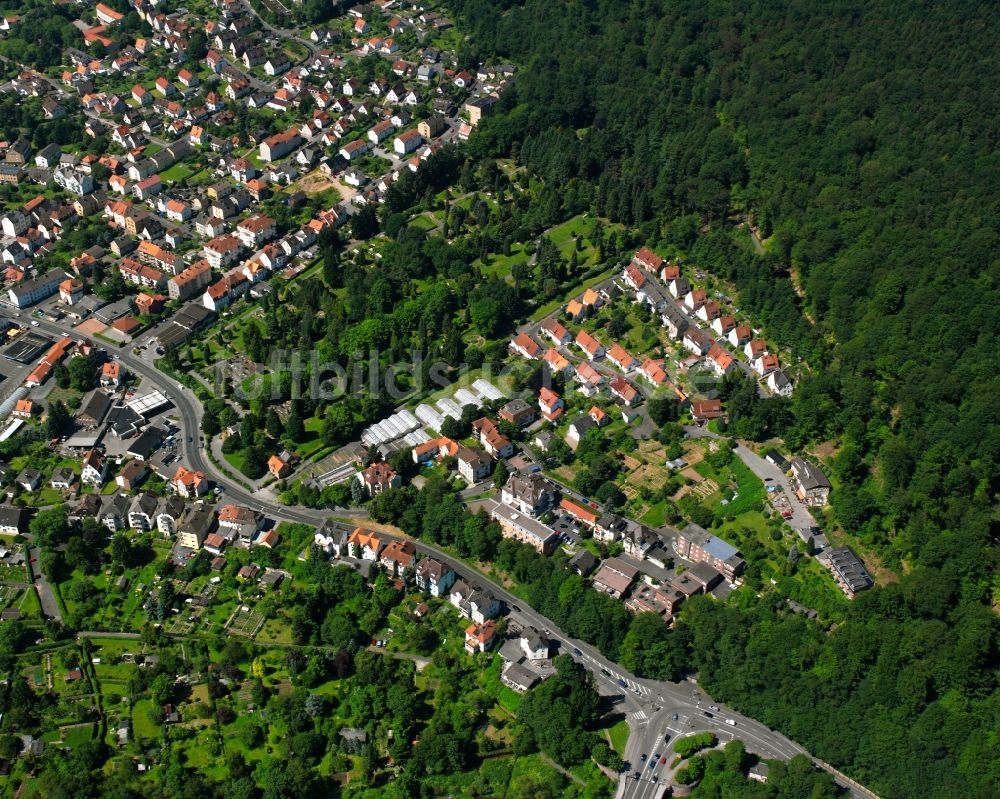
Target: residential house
{"x": 551, "y": 404}
{"x": 766, "y": 364}
{"x": 811, "y": 486}
{"x": 407, "y": 142}
{"x": 474, "y": 602}
{"x": 223, "y": 250}
{"x": 555, "y": 331}
{"x": 131, "y": 475}
{"x": 474, "y": 465}
{"x": 399, "y": 557}
{"x": 622, "y": 358}
{"x": 615, "y": 577}
{"x": 142, "y": 511}
{"x": 522, "y": 527}
{"x": 589, "y": 378}
{"x": 577, "y": 429}
{"x": 556, "y": 362}
{"x": 278, "y": 467}
{"x": 23, "y": 409}
{"x": 724, "y": 325}
{"x": 695, "y": 299}
{"x": 379, "y": 477}
{"x": 191, "y": 281}
{"x": 14, "y": 521}
{"x": 94, "y": 468}
{"x": 625, "y": 391}
{"x": 694, "y": 543}
{"x": 517, "y": 412}
{"x": 434, "y": 577}
{"x": 493, "y": 441}
{"x": 583, "y": 515}
{"x": 530, "y": 494}
{"x": 739, "y": 335}
{"x": 62, "y": 479}
{"x": 279, "y": 145}
{"x": 705, "y": 410}
{"x": 255, "y": 230}
{"x": 709, "y": 312}
{"x": 195, "y": 526}
{"x": 188, "y": 484}
{"x": 589, "y": 345}
{"x": 364, "y": 544}
{"x": 169, "y": 513}
{"x": 720, "y": 361}
{"x": 518, "y": 678}
{"x": 755, "y": 349}
{"x": 480, "y": 637}
{"x": 847, "y": 569}
{"x": 696, "y": 341}
{"x": 779, "y": 383}
{"x": 525, "y": 346}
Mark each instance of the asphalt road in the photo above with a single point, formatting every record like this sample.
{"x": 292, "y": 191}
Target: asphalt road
{"x": 801, "y": 519}
{"x": 46, "y": 598}
{"x": 649, "y": 704}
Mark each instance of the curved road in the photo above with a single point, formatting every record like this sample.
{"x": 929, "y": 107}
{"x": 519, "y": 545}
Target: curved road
{"x": 649, "y": 704}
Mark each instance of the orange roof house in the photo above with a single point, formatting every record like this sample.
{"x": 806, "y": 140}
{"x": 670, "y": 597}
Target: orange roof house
{"x": 578, "y": 512}
{"x": 24, "y": 408}
{"x": 647, "y": 259}
{"x": 278, "y": 467}
{"x": 479, "y": 637}
{"x": 368, "y": 542}
{"x": 599, "y": 416}
{"x": 189, "y": 483}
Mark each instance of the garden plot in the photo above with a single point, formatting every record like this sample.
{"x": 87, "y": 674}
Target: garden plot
{"x": 244, "y": 622}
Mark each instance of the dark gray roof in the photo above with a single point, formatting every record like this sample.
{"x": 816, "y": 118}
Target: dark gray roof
{"x": 95, "y": 407}
{"x": 583, "y": 561}
{"x": 808, "y": 475}
{"x": 850, "y": 568}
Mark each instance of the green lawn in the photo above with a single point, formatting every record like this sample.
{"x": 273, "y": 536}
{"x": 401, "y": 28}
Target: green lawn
{"x": 619, "y": 736}
{"x": 654, "y": 517}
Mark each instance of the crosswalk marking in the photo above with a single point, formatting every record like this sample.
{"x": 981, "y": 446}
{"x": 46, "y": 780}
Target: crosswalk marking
{"x": 638, "y": 715}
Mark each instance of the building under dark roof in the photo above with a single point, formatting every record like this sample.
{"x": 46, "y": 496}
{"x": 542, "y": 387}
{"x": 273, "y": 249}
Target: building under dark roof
{"x": 94, "y": 409}
{"x": 124, "y": 422}
{"x": 847, "y": 569}
{"x": 583, "y": 562}
{"x": 146, "y": 444}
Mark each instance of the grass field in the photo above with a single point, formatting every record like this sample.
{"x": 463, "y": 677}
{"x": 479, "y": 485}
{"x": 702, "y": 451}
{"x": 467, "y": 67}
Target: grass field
{"x": 619, "y": 736}
{"x": 654, "y": 517}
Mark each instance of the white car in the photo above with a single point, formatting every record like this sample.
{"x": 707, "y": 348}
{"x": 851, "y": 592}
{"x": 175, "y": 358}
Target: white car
{"x": 34, "y": 323}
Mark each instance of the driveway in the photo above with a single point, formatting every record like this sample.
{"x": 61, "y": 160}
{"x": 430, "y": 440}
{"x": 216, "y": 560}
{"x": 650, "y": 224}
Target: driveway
{"x": 46, "y": 597}
{"x": 801, "y": 520}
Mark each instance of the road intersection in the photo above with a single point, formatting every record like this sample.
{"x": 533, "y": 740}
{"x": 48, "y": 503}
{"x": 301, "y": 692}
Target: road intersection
{"x": 649, "y": 706}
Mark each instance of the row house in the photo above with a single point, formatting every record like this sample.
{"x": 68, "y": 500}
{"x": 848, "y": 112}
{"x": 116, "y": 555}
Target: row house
{"x": 256, "y": 230}
{"x": 190, "y": 281}
{"x": 222, "y": 251}
{"x": 228, "y": 288}
{"x": 140, "y": 274}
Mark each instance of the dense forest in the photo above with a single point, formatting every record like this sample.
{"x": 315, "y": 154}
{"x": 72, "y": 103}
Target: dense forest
{"x": 860, "y": 141}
